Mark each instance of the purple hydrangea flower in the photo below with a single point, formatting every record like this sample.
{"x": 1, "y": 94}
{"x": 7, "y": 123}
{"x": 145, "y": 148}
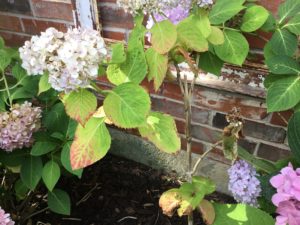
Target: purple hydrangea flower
{"x": 5, "y": 218}
{"x": 243, "y": 183}
{"x": 18, "y": 125}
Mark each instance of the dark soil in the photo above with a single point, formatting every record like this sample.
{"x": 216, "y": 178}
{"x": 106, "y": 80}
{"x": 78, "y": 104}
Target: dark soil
{"x": 117, "y": 191}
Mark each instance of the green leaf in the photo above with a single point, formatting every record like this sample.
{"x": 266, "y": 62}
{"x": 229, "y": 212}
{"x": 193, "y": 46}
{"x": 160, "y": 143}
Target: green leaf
{"x": 190, "y": 34}
{"x": 158, "y": 66}
{"x": 224, "y": 10}
{"x": 2, "y": 43}
{"x": 59, "y": 202}
{"x": 235, "y": 48}
{"x": 135, "y": 66}
{"x": 294, "y": 25}
{"x": 118, "y": 54}
{"x": 294, "y": 134}
{"x": 91, "y": 143}
{"x": 268, "y": 51}
{"x": 56, "y": 120}
{"x": 66, "y": 162}
{"x": 14, "y": 158}
{"x": 216, "y": 36}
{"x": 115, "y": 75}
{"x": 161, "y": 130}
{"x": 20, "y": 189}
{"x": 18, "y": 72}
{"x": 31, "y": 171}
{"x": 80, "y": 105}
{"x": 209, "y": 62}
{"x": 270, "y": 24}
{"x": 5, "y": 59}
{"x": 288, "y": 9}
{"x": 43, "y": 147}
{"x": 284, "y": 43}
{"x": 127, "y": 105}
{"x": 283, "y": 65}
{"x": 44, "y": 84}
{"x": 203, "y": 22}
{"x": 72, "y": 125}
{"x": 51, "y": 174}
{"x": 283, "y": 94}
{"x": 254, "y": 17}
{"x": 203, "y": 184}
{"x": 239, "y": 214}
{"x": 163, "y": 36}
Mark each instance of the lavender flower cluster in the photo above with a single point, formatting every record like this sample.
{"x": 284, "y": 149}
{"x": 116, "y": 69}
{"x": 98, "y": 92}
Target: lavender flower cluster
{"x": 71, "y": 58}
{"x": 5, "y": 218}
{"x": 287, "y": 198}
{"x": 243, "y": 183}
{"x": 18, "y": 125}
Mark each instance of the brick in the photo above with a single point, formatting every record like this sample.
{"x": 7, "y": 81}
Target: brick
{"x": 14, "y": 40}
{"x": 54, "y": 10}
{"x": 114, "y": 35}
{"x": 11, "y": 23}
{"x": 271, "y": 5}
{"x": 276, "y": 118}
{"x": 177, "y": 109}
{"x": 33, "y": 26}
{"x": 115, "y": 17}
{"x": 16, "y": 6}
{"x": 252, "y": 108}
{"x": 247, "y": 145}
{"x": 254, "y": 129}
{"x": 197, "y": 147}
{"x": 272, "y": 153}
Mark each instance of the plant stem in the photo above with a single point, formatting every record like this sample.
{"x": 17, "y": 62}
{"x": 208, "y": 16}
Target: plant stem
{"x": 7, "y": 88}
{"x": 96, "y": 88}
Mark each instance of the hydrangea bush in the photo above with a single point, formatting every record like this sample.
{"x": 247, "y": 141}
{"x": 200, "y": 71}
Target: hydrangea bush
{"x": 72, "y": 133}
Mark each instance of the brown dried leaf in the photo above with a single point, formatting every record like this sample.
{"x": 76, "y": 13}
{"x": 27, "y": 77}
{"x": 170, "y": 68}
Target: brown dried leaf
{"x": 208, "y": 212}
{"x": 169, "y": 202}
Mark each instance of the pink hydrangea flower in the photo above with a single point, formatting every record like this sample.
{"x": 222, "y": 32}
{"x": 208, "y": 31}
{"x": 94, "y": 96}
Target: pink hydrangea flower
{"x": 287, "y": 198}
{"x": 5, "y": 218}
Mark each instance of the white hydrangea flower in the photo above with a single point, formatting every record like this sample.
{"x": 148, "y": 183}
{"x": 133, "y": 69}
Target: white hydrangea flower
{"x": 71, "y": 58}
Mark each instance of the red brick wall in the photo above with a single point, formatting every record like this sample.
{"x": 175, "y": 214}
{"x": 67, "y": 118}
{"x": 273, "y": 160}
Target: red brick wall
{"x": 265, "y": 134}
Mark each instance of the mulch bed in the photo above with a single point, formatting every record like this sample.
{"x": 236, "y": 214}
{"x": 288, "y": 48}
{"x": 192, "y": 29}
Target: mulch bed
{"x": 117, "y": 191}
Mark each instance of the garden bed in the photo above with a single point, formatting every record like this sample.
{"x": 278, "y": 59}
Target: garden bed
{"x": 118, "y": 191}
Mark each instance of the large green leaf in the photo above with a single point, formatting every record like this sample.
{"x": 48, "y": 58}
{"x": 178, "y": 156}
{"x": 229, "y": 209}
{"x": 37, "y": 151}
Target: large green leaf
{"x": 282, "y": 64}
{"x": 294, "y": 25}
{"x": 20, "y": 189}
{"x": 31, "y": 171}
{"x": 235, "y": 48}
{"x": 283, "y": 94}
{"x": 59, "y": 202}
{"x": 294, "y": 135}
{"x": 91, "y": 143}
{"x": 51, "y": 174}
{"x": 254, "y": 17}
{"x": 115, "y": 75}
{"x": 288, "y": 9}
{"x": 127, "y": 105}
{"x": 118, "y": 53}
{"x": 19, "y": 72}
{"x": 158, "y": 66}
{"x": 43, "y": 147}
{"x": 80, "y": 105}
{"x": 44, "y": 84}
{"x": 5, "y": 59}
{"x": 209, "y": 62}
{"x": 239, "y": 214}
{"x": 135, "y": 66}
{"x": 216, "y": 36}
{"x": 161, "y": 130}
{"x": 66, "y": 162}
{"x": 284, "y": 43}
{"x": 163, "y": 36}
{"x": 190, "y": 34}
{"x": 224, "y": 10}
{"x": 203, "y": 22}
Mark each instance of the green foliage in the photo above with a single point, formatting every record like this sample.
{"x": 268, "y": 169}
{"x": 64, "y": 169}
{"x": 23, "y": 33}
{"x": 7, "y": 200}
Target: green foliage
{"x": 254, "y": 17}
{"x": 118, "y": 54}
{"x": 284, "y": 42}
{"x": 288, "y": 9}
{"x": 163, "y": 37}
{"x": 158, "y": 66}
{"x": 91, "y": 143}
{"x": 80, "y": 105}
{"x": 294, "y": 134}
{"x": 59, "y": 202}
{"x": 235, "y": 48}
{"x": 44, "y": 84}
{"x": 241, "y": 215}
{"x": 31, "y": 171}
{"x": 282, "y": 64}
{"x": 127, "y": 105}
{"x": 294, "y": 25}
{"x": 161, "y": 130}
{"x": 209, "y": 62}
{"x": 51, "y": 174}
